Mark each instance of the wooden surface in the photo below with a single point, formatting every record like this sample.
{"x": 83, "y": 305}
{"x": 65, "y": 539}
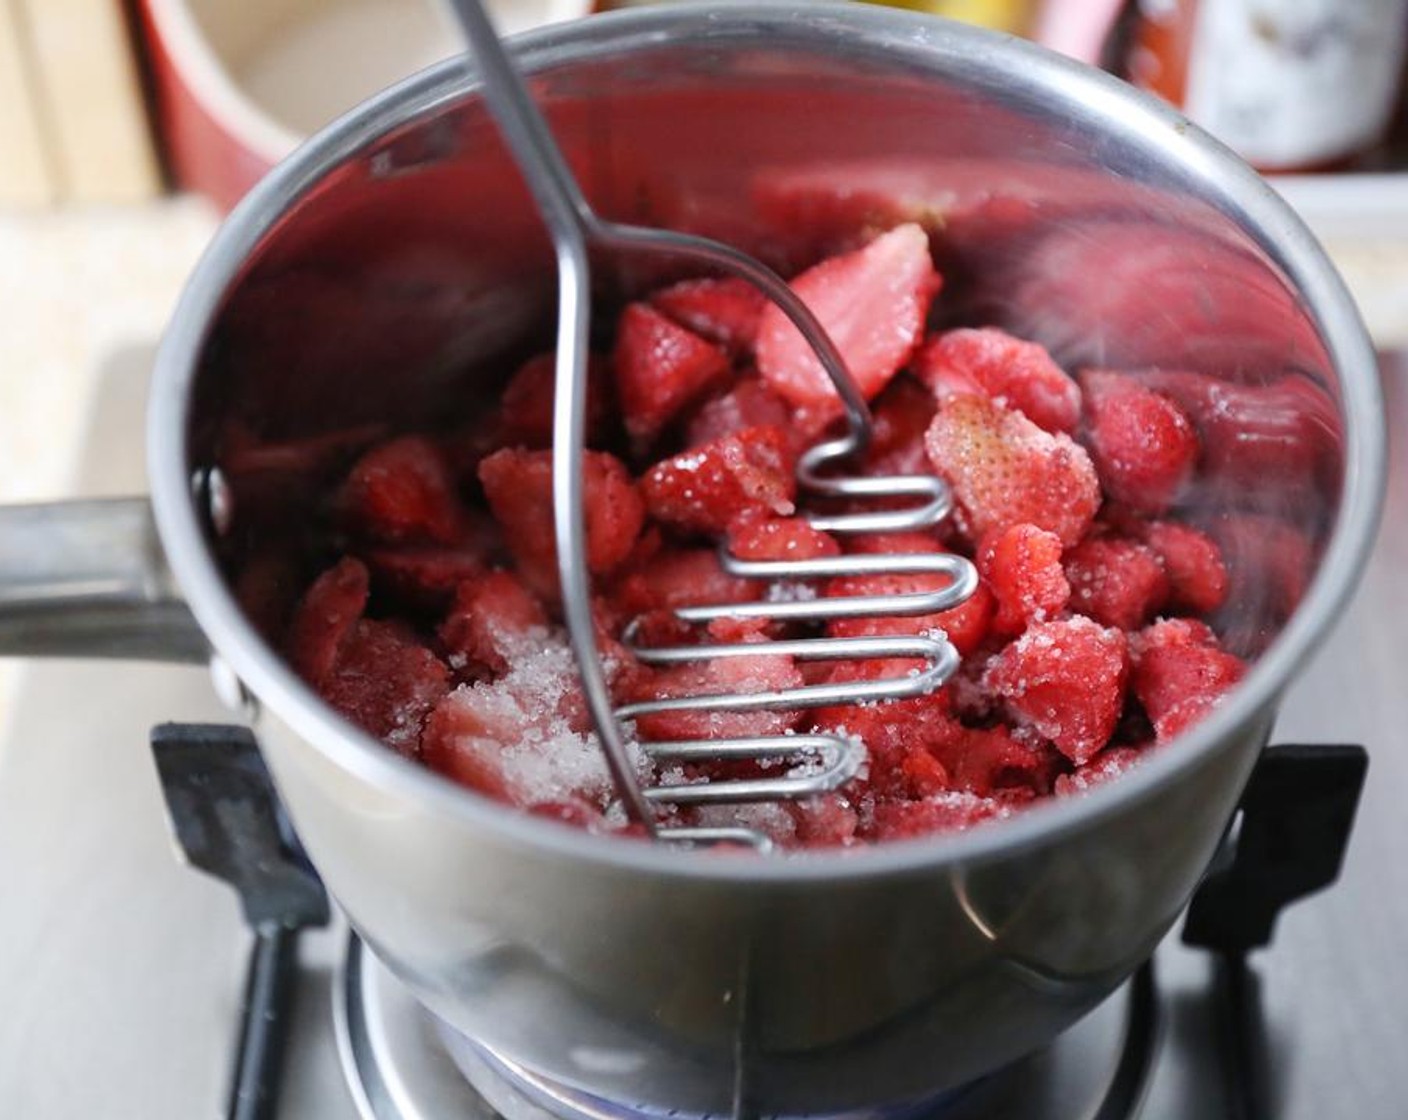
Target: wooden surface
{"x": 26, "y": 177}
{"x": 95, "y": 121}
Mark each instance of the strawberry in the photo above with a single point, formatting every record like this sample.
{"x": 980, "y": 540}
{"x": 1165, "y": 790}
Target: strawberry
{"x": 402, "y": 492}
{"x": 681, "y": 578}
{"x": 526, "y": 407}
{"x": 987, "y": 760}
{"x": 872, "y": 303}
{"x": 385, "y": 681}
{"x": 827, "y": 821}
{"x": 661, "y": 369}
{"x": 725, "y": 311}
{"x": 1005, "y": 471}
{"x": 748, "y": 404}
{"x": 894, "y": 543}
{"x": 494, "y": 619}
{"x": 422, "y": 577}
{"x": 323, "y": 619}
{"x": 518, "y": 485}
{"x": 1116, "y": 582}
{"x": 1109, "y": 763}
{"x": 763, "y": 673}
{"x": 779, "y": 538}
{"x": 1066, "y": 681}
{"x": 705, "y": 488}
{"x": 1166, "y": 632}
{"x": 944, "y": 812}
{"x": 1022, "y": 567}
{"x": 1143, "y": 444}
{"x": 924, "y": 774}
{"x": 966, "y": 625}
{"x": 1196, "y": 575}
{"x": 520, "y": 739}
{"x": 991, "y": 362}
{"x": 900, "y": 417}
{"x": 890, "y": 730}
{"x": 1180, "y": 674}
{"x": 282, "y": 480}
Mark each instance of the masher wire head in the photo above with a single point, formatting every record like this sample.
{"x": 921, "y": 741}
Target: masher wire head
{"x": 815, "y": 763}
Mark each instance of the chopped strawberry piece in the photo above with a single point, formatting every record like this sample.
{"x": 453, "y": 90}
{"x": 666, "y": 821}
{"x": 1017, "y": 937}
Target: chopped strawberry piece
{"x": 1022, "y": 567}
{"x": 518, "y": 485}
{"x": 386, "y": 682}
{"x": 329, "y": 610}
{"x": 896, "y": 543}
{"x": 1250, "y": 433}
{"x": 749, "y": 404}
{"x": 725, "y": 311}
{"x": 422, "y": 577}
{"x": 661, "y": 369}
{"x": 1066, "y": 681}
{"x": 493, "y": 620}
{"x": 741, "y": 630}
{"x": 900, "y": 417}
{"x": 828, "y": 821}
{"x": 763, "y": 673}
{"x": 572, "y": 811}
{"x": 1143, "y": 444}
{"x": 526, "y": 407}
{"x": 1196, "y": 575}
{"x": 1006, "y": 471}
{"x": 1168, "y": 632}
{"x": 1179, "y": 681}
{"x": 284, "y": 479}
{"x": 771, "y": 818}
{"x": 1116, "y": 582}
{"x": 520, "y": 739}
{"x": 924, "y": 774}
{"x": 944, "y": 812}
{"x": 890, "y": 730}
{"x": 872, "y": 302}
{"x": 1014, "y": 372}
{"x": 987, "y": 761}
{"x": 402, "y": 492}
{"x": 1109, "y": 763}
{"x": 779, "y": 538}
{"x": 681, "y": 578}
{"x": 966, "y": 625}
{"x": 706, "y": 488}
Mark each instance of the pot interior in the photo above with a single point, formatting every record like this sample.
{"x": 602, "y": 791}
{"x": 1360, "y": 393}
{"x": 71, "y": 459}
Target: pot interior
{"x": 410, "y": 274}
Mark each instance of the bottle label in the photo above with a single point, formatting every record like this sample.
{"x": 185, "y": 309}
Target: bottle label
{"x": 1290, "y": 83}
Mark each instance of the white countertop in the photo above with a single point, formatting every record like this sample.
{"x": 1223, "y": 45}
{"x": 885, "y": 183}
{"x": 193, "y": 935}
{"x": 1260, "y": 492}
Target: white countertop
{"x": 77, "y": 285}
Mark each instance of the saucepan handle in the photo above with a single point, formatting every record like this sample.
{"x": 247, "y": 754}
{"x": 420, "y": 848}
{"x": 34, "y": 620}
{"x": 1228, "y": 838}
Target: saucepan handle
{"x": 88, "y": 579}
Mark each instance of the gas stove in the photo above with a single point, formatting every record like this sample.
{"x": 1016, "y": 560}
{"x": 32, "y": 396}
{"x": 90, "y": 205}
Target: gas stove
{"x": 122, "y": 971}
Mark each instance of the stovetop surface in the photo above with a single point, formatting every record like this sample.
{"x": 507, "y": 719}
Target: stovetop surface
{"x": 121, "y": 970}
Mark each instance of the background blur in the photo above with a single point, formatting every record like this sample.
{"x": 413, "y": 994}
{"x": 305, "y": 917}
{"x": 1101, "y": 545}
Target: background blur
{"x": 127, "y": 127}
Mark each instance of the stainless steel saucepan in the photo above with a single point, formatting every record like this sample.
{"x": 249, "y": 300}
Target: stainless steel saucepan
{"x": 375, "y": 278}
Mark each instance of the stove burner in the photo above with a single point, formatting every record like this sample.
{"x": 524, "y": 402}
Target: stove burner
{"x": 404, "y": 1064}
{"x": 1287, "y": 840}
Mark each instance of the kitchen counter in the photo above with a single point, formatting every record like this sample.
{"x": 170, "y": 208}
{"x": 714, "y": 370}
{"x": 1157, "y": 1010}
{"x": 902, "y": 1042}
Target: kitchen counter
{"x": 77, "y": 285}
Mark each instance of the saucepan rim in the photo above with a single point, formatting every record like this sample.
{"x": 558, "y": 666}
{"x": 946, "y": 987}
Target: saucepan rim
{"x": 970, "y": 55}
